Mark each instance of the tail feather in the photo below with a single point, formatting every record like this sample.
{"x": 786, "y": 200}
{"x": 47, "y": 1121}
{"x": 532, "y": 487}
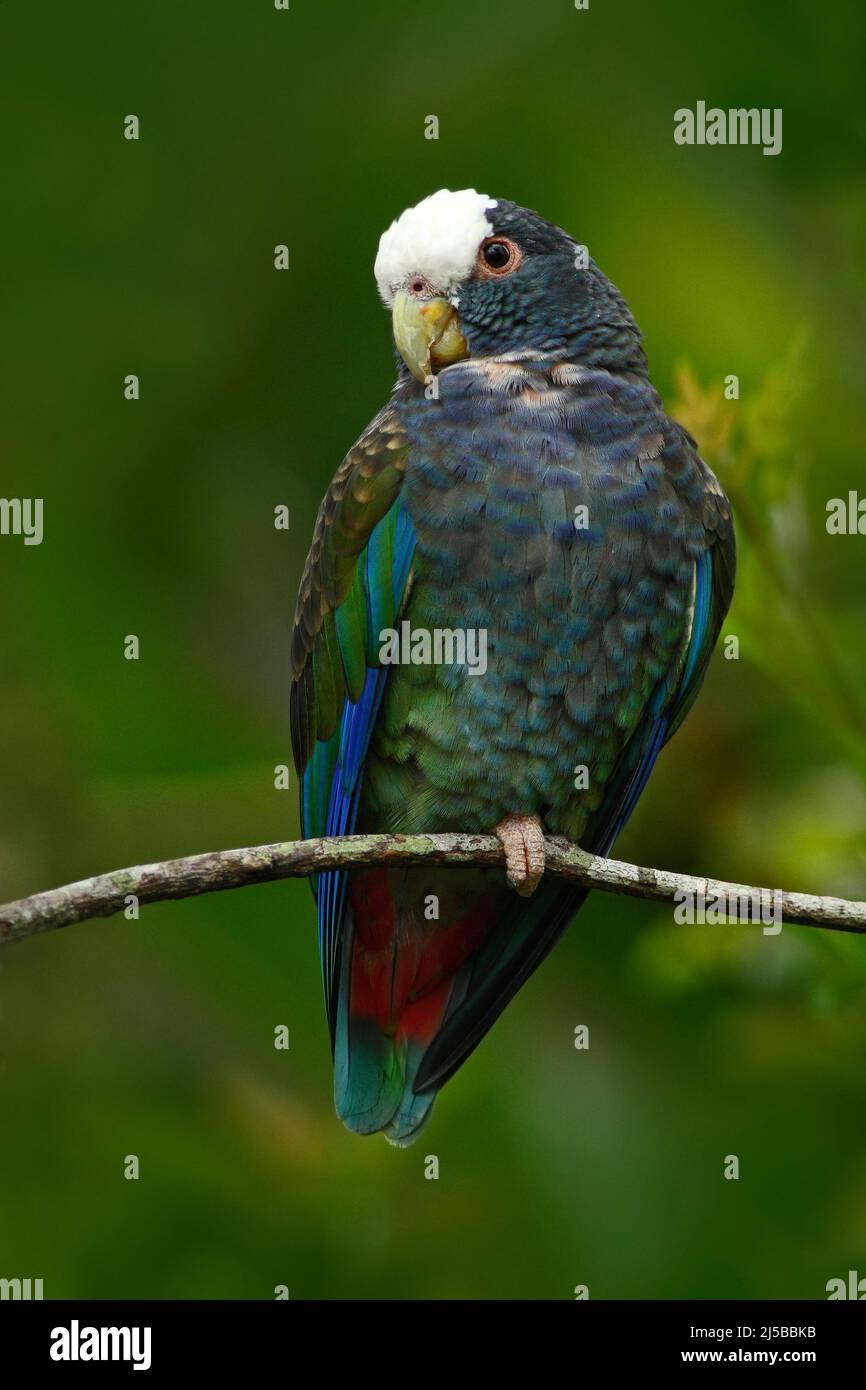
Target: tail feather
{"x": 402, "y": 975}
{"x": 526, "y": 934}
{"x": 417, "y": 996}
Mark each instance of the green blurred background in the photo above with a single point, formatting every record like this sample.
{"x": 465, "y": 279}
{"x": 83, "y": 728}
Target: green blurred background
{"x": 156, "y": 1037}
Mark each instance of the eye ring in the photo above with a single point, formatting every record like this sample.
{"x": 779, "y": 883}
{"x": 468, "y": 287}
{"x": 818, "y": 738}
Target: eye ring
{"x": 497, "y": 256}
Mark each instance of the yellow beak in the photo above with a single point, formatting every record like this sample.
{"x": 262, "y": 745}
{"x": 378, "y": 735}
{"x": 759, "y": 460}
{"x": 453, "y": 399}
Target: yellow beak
{"x": 427, "y": 334}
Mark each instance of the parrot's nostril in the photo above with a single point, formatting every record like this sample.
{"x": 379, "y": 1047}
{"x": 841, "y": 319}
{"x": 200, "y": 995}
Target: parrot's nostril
{"x": 416, "y": 286}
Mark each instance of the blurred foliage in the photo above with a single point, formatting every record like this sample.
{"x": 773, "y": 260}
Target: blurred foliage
{"x": 755, "y": 450}
{"x": 154, "y": 1037}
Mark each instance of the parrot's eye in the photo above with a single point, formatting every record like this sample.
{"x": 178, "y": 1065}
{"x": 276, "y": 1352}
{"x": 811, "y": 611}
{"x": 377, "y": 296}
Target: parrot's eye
{"x": 498, "y": 256}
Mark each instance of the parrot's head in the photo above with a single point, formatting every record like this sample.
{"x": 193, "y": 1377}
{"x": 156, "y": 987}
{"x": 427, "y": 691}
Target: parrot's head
{"x": 466, "y": 275}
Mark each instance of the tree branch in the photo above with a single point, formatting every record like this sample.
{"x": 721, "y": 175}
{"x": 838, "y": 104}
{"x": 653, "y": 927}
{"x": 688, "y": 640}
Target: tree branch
{"x": 236, "y": 868}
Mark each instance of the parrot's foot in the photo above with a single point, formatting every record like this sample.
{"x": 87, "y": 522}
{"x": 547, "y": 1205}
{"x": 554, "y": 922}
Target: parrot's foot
{"x": 522, "y": 838}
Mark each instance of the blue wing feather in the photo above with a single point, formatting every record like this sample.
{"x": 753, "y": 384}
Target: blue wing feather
{"x": 333, "y": 778}
{"x": 663, "y": 711}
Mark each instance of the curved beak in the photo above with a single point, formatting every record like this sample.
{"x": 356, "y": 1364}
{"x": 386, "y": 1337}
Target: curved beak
{"x": 427, "y": 334}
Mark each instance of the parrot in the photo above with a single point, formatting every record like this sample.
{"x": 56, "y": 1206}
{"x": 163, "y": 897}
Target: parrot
{"x": 523, "y": 498}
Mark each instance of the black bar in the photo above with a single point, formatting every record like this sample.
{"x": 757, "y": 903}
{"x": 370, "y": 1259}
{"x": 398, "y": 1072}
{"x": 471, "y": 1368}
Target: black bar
{"x": 229, "y": 1337}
